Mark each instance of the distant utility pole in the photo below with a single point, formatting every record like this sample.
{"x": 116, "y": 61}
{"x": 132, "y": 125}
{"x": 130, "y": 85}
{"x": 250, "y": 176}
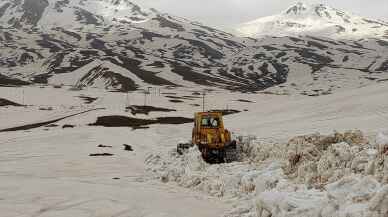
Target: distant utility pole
{"x": 146, "y": 92}
{"x": 23, "y": 96}
{"x": 203, "y": 100}
{"x": 127, "y": 103}
{"x": 145, "y": 97}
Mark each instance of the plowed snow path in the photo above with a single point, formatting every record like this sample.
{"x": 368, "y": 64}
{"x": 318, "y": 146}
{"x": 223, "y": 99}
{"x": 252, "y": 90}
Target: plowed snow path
{"x": 50, "y": 173}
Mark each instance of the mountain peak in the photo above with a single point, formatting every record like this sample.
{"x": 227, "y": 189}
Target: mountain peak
{"x": 314, "y": 19}
{"x": 301, "y": 9}
{"x": 298, "y": 8}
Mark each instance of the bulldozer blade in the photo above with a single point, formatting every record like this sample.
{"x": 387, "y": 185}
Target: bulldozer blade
{"x": 183, "y": 147}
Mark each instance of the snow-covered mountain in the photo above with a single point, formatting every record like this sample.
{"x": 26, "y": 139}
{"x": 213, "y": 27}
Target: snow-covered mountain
{"x": 316, "y": 20}
{"x": 70, "y": 14}
{"x": 125, "y": 47}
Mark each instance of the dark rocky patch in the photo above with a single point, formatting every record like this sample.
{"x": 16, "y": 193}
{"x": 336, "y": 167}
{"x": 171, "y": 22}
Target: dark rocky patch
{"x": 67, "y": 126}
{"x": 176, "y": 101}
{"x": 87, "y": 18}
{"x": 98, "y": 44}
{"x": 382, "y": 43}
{"x": 383, "y": 67}
{"x": 151, "y": 35}
{"x": 244, "y": 100}
{"x": 7, "y": 81}
{"x": 189, "y": 74}
{"x": 60, "y": 4}
{"x": 318, "y": 45}
{"x": 205, "y": 49}
{"x": 100, "y": 154}
{"x": 46, "y": 108}
{"x": 32, "y": 50}
{"x": 196, "y": 93}
{"x": 8, "y": 36}
{"x": 136, "y": 123}
{"x": 25, "y": 59}
{"x": 323, "y": 40}
{"x": 88, "y": 99}
{"x": 136, "y": 109}
{"x": 53, "y": 40}
{"x": 191, "y": 97}
{"x": 41, "y": 79}
{"x": 53, "y": 48}
{"x": 111, "y": 79}
{"x": 5, "y": 102}
{"x": 178, "y": 97}
{"x": 104, "y": 146}
{"x": 269, "y": 48}
{"x": 133, "y": 65}
{"x": 157, "y": 64}
{"x": 72, "y": 34}
{"x": 164, "y": 22}
{"x": 225, "y": 111}
{"x": 127, "y": 147}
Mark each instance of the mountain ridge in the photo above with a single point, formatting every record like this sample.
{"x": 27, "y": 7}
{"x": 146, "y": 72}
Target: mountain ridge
{"x": 165, "y": 50}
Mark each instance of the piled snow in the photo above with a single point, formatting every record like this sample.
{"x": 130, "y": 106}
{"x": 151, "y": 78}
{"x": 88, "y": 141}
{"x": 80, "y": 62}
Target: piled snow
{"x": 314, "y": 175}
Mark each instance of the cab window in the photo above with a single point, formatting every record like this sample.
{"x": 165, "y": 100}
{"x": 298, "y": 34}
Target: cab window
{"x": 210, "y": 122}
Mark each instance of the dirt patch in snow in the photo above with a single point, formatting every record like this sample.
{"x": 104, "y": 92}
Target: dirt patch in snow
{"x": 137, "y": 109}
{"x": 176, "y": 101}
{"x": 88, "y": 99}
{"x": 104, "y": 146}
{"x": 100, "y": 154}
{"x": 127, "y": 147}
{"x": 136, "y": 123}
{"x": 5, "y": 102}
{"x": 244, "y": 100}
{"x": 226, "y": 111}
{"x": 183, "y": 97}
{"x": 7, "y": 81}
{"x": 44, "y": 123}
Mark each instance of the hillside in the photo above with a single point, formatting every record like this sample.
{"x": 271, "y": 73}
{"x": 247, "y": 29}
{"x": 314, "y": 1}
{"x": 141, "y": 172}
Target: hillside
{"x": 143, "y": 47}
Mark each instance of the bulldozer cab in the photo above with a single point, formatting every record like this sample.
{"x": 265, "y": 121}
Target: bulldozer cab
{"x": 208, "y": 120}
{"x": 209, "y": 130}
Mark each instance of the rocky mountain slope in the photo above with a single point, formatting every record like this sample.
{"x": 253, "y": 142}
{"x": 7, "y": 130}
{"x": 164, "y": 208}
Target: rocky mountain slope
{"x": 118, "y": 45}
{"x": 317, "y": 20}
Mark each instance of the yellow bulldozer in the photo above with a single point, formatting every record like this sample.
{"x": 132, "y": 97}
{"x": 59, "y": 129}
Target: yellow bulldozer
{"x": 211, "y": 138}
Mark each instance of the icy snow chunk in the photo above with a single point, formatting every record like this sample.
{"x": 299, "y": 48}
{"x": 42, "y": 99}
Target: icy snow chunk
{"x": 380, "y": 201}
{"x": 382, "y": 142}
{"x": 354, "y": 189}
{"x": 290, "y": 204}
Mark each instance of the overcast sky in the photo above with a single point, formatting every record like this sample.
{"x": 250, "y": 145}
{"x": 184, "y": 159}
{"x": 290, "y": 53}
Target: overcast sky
{"x": 227, "y": 13}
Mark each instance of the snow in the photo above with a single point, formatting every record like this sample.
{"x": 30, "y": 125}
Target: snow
{"x": 287, "y": 166}
{"x": 154, "y": 180}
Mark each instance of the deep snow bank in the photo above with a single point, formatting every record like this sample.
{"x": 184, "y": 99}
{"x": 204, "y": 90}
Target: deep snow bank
{"x": 314, "y": 175}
